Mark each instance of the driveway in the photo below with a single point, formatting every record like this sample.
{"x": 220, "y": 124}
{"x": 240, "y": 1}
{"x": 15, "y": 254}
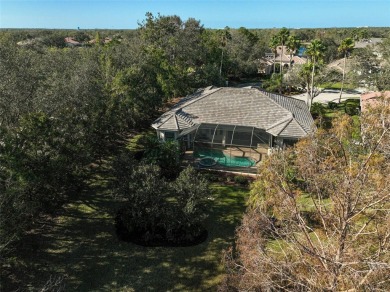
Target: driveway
{"x": 331, "y": 95}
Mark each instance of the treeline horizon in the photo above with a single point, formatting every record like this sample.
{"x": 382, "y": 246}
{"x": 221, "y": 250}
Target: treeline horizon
{"x": 212, "y": 28}
{"x": 374, "y": 31}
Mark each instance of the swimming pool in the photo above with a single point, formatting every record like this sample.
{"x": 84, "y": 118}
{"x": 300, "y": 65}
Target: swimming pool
{"x": 224, "y": 159}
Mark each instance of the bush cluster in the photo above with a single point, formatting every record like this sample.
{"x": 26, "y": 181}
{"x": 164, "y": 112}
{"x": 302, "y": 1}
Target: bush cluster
{"x": 161, "y": 211}
{"x": 240, "y": 179}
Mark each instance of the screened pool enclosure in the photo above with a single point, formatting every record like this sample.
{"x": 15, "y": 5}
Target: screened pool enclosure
{"x": 227, "y": 145}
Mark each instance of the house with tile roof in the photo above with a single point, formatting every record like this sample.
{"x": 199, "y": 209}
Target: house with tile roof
{"x": 282, "y": 57}
{"x": 71, "y": 42}
{"x": 368, "y": 42}
{"x": 370, "y": 99}
{"x": 247, "y": 118}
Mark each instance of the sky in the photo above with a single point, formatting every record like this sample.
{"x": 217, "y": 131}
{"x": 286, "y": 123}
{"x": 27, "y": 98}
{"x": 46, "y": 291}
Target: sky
{"x": 126, "y": 14}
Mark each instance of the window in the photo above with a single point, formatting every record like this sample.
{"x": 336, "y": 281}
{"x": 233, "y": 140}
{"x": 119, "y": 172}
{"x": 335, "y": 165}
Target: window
{"x": 169, "y": 136}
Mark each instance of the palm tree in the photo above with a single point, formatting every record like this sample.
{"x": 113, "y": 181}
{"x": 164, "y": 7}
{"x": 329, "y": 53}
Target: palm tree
{"x": 306, "y": 73}
{"x": 345, "y": 47}
{"x": 224, "y": 36}
{"x": 273, "y": 44}
{"x": 283, "y": 35}
{"x": 315, "y": 51}
{"x": 293, "y": 44}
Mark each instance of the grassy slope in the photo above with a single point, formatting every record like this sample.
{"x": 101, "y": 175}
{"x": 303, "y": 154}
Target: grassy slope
{"x": 81, "y": 244}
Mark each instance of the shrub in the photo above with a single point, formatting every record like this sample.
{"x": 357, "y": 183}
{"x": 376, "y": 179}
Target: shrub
{"x": 351, "y": 109}
{"x": 240, "y": 179}
{"x": 123, "y": 165}
{"x": 230, "y": 178}
{"x": 165, "y": 154}
{"x": 190, "y": 190}
{"x": 332, "y": 105}
{"x": 317, "y": 110}
{"x": 211, "y": 177}
{"x": 160, "y": 211}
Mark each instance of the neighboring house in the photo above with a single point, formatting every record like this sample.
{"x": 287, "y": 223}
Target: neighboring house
{"x": 106, "y": 40}
{"x": 367, "y": 42}
{"x": 29, "y": 42}
{"x": 339, "y": 65}
{"x": 285, "y": 59}
{"x": 70, "y": 42}
{"x": 265, "y": 66}
{"x": 248, "y": 119}
{"x": 298, "y": 60}
{"x": 373, "y": 43}
{"x": 370, "y": 99}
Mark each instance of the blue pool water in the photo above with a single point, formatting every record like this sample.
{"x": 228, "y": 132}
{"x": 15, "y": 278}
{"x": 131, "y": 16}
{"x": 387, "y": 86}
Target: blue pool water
{"x": 222, "y": 159}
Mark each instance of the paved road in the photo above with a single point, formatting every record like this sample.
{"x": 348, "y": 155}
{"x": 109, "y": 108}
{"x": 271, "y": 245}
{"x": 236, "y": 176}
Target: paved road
{"x": 330, "y": 95}
{"x": 324, "y": 97}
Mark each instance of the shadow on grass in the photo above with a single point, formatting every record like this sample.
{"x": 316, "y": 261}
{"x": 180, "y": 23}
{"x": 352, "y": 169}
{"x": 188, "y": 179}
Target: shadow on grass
{"x": 81, "y": 245}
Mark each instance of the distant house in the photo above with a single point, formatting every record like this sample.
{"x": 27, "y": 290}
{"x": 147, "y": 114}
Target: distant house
{"x": 70, "y": 42}
{"x": 248, "y": 121}
{"x": 373, "y": 43}
{"x": 339, "y": 65}
{"x": 266, "y": 64}
{"x": 283, "y": 56}
{"x": 29, "y": 42}
{"x": 106, "y": 40}
{"x": 367, "y": 42}
{"x": 371, "y": 99}
{"x": 297, "y": 60}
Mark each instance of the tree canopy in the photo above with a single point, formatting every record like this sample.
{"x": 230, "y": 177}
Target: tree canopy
{"x": 319, "y": 214}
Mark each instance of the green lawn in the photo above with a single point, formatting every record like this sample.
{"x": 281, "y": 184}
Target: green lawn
{"x": 337, "y": 85}
{"x": 332, "y": 110}
{"x": 82, "y": 246}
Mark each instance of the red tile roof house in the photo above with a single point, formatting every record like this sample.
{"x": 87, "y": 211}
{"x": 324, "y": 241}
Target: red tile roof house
{"x": 244, "y": 123}
{"x": 370, "y": 99}
{"x": 70, "y": 42}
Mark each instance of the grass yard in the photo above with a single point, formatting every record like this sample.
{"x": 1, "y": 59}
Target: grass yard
{"x": 331, "y": 110}
{"x": 81, "y": 245}
{"x": 337, "y": 86}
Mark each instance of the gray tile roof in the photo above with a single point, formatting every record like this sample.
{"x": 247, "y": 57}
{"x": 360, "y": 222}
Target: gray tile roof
{"x": 249, "y": 106}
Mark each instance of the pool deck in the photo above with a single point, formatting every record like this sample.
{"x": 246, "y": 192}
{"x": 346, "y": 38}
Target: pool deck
{"x": 189, "y": 159}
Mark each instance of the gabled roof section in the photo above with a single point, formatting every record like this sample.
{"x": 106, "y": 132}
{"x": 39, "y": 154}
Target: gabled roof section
{"x": 169, "y": 123}
{"x": 296, "y": 107}
{"x": 292, "y": 129}
{"x": 279, "y": 126}
{"x": 249, "y": 106}
{"x": 184, "y": 120}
